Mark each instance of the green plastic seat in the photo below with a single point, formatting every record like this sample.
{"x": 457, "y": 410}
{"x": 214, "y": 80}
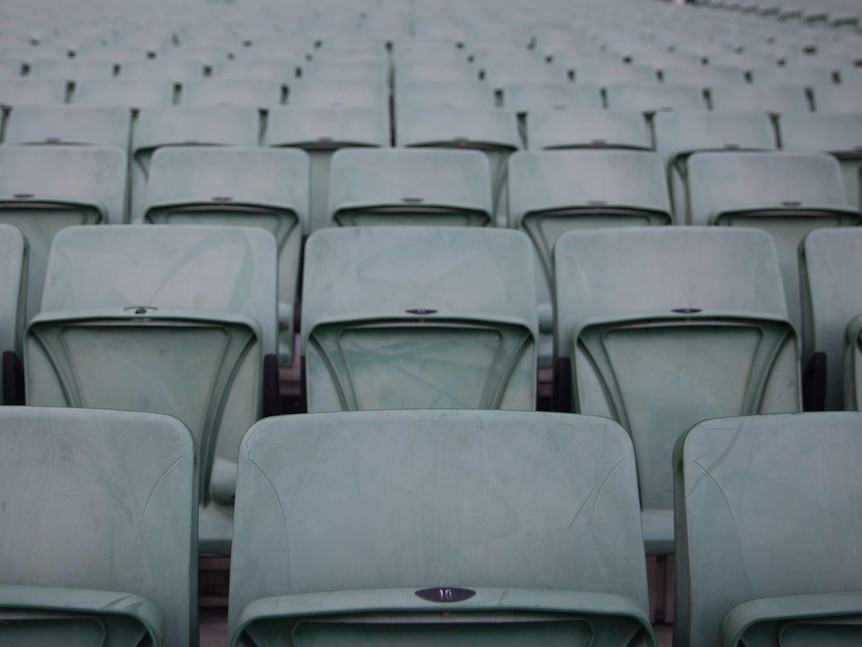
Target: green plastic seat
{"x": 410, "y": 187}
{"x": 124, "y": 92}
{"x": 829, "y": 263}
{"x": 650, "y": 98}
{"x": 248, "y": 187}
{"x": 320, "y": 132}
{"x": 840, "y": 135}
{"x": 283, "y": 70}
{"x": 340, "y": 94}
{"x": 176, "y": 69}
{"x": 577, "y": 128}
{"x": 184, "y": 126}
{"x": 605, "y": 73}
{"x": 774, "y": 99}
{"x": 437, "y": 528}
{"x": 46, "y": 188}
{"x": 98, "y": 540}
{"x": 680, "y": 134}
{"x": 786, "y": 194}
{"x": 837, "y": 99}
{"x": 32, "y": 92}
{"x": 163, "y": 319}
{"x": 418, "y": 318}
{"x": 72, "y": 69}
{"x": 553, "y": 192}
{"x": 491, "y": 131}
{"x": 703, "y": 76}
{"x": 108, "y": 126}
{"x": 768, "y": 531}
{"x": 245, "y": 92}
{"x": 661, "y": 327}
{"x": 528, "y": 96}
{"x": 455, "y": 94}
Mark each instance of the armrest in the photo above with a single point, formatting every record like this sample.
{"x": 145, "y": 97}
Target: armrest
{"x": 766, "y": 615}
{"x": 608, "y": 612}
{"x": 22, "y": 602}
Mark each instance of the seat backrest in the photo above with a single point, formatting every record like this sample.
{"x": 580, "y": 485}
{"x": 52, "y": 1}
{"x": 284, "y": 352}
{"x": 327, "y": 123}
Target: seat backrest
{"x": 124, "y": 92}
{"x": 679, "y": 134}
{"x": 527, "y": 96}
{"x": 576, "y": 128}
{"x": 490, "y": 130}
{"x": 32, "y": 92}
{"x": 47, "y": 188}
{"x": 165, "y": 319}
{"x": 419, "y": 317}
{"x": 459, "y": 94}
{"x": 837, "y": 134}
{"x": 521, "y": 500}
{"x": 635, "y": 306}
{"x": 653, "y": 97}
{"x": 320, "y": 132}
{"x": 247, "y": 187}
{"x": 788, "y": 194}
{"x": 253, "y": 93}
{"x": 837, "y": 99}
{"x": 93, "y": 502}
{"x": 552, "y": 192}
{"x": 406, "y": 186}
{"x": 766, "y": 508}
{"x": 185, "y": 126}
{"x": 339, "y": 94}
{"x": 69, "y": 125}
{"x": 830, "y": 262}
{"x": 777, "y": 99}
{"x": 606, "y": 73}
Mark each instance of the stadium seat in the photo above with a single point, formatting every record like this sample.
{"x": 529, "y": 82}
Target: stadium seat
{"x": 185, "y": 126}
{"x": 251, "y": 93}
{"x": 774, "y": 99}
{"x": 488, "y": 130}
{"x": 653, "y": 97}
{"x": 767, "y": 534}
{"x": 98, "y": 542}
{"x": 250, "y": 187}
{"x": 339, "y": 94}
{"x": 840, "y": 135}
{"x": 612, "y": 73}
{"x": 527, "y": 96}
{"x": 69, "y": 125}
{"x": 320, "y": 132}
{"x": 556, "y": 191}
{"x": 283, "y": 71}
{"x": 786, "y": 194}
{"x": 680, "y": 134}
{"x": 32, "y": 92}
{"x": 410, "y": 187}
{"x": 703, "y": 76}
{"x": 124, "y": 92}
{"x": 419, "y": 317}
{"x": 46, "y": 188}
{"x": 574, "y": 128}
{"x": 661, "y": 327}
{"x": 162, "y": 319}
{"x": 176, "y": 70}
{"x": 454, "y": 94}
{"x": 72, "y": 69}
{"x": 529, "y": 533}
